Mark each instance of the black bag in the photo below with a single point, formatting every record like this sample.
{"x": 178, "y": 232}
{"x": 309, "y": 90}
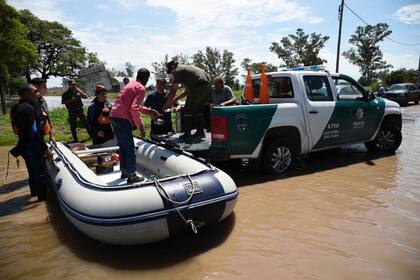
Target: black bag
{"x": 15, "y": 151}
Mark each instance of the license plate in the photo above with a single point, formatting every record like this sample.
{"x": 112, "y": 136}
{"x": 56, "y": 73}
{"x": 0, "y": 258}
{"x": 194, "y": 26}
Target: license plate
{"x": 196, "y": 187}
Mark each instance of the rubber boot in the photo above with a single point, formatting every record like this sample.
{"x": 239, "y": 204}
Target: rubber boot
{"x": 186, "y": 127}
{"x": 199, "y": 122}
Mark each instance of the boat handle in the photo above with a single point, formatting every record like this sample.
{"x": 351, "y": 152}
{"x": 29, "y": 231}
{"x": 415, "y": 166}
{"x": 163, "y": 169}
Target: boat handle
{"x": 58, "y": 183}
{"x": 55, "y": 161}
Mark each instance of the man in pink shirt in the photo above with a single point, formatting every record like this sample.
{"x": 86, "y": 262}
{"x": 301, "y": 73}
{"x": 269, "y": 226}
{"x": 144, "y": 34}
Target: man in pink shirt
{"x": 125, "y": 112}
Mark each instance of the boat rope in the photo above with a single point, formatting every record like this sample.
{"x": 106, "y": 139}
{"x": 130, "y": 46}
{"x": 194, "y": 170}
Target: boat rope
{"x": 165, "y": 195}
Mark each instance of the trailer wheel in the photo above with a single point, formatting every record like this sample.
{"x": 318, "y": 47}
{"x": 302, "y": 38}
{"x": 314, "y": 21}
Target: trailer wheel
{"x": 278, "y": 157}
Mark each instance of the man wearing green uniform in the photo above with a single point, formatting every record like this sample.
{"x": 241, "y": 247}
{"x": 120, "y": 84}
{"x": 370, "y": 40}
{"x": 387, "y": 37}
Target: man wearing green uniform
{"x": 198, "y": 91}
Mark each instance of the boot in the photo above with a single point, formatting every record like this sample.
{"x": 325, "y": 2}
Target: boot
{"x": 186, "y": 127}
{"x": 199, "y": 122}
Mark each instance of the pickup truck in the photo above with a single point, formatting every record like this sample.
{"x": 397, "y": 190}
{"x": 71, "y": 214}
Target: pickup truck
{"x": 306, "y": 114}
{"x": 402, "y": 93}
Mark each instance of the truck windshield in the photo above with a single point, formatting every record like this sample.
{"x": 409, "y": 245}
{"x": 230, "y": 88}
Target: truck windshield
{"x": 399, "y": 87}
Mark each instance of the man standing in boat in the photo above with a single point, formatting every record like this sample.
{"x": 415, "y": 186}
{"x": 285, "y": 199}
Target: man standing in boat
{"x": 198, "y": 91}
{"x": 125, "y": 112}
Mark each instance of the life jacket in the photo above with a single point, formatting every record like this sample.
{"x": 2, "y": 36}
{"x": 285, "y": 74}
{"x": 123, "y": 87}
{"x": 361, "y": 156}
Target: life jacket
{"x": 103, "y": 119}
{"x": 47, "y": 126}
{"x": 11, "y": 118}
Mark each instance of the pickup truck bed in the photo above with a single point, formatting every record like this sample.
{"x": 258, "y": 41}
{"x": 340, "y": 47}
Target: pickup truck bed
{"x": 199, "y": 147}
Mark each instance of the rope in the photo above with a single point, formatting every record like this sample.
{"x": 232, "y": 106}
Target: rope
{"x": 8, "y": 162}
{"x": 7, "y": 167}
{"x": 165, "y": 195}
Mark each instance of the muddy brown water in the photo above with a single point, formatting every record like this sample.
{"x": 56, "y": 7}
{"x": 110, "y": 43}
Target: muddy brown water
{"x": 342, "y": 214}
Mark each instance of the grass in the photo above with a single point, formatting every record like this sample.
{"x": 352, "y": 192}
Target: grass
{"x": 61, "y": 127}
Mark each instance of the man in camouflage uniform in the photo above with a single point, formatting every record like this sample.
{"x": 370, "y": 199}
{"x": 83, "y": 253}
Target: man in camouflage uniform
{"x": 198, "y": 91}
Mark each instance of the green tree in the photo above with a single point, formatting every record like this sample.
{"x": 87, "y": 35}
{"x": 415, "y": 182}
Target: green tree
{"x": 159, "y": 68}
{"x": 59, "y": 53}
{"x": 16, "y": 51}
{"x": 129, "y": 69}
{"x": 215, "y": 63}
{"x": 300, "y": 49}
{"x": 92, "y": 59}
{"x": 255, "y": 67}
{"x": 366, "y": 53}
{"x": 401, "y": 76}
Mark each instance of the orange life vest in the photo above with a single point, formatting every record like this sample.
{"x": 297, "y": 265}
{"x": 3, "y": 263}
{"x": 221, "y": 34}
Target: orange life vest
{"x": 103, "y": 119}
{"x": 46, "y": 129}
{"x": 47, "y": 126}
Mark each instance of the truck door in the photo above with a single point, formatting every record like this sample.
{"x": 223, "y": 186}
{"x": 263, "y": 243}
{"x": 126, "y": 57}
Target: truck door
{"x": 320, "y": 106}
{"x": 359, "y": 115}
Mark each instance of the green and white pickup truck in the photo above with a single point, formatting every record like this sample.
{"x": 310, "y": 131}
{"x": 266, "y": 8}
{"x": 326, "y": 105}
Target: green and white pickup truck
{"x": 308, "y": 111}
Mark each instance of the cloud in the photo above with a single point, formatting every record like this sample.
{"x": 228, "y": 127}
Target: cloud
{"x": 196, "y": 15}
{"x": 407, "y": 61}
{"x": 44, "y": 9}
{"x": 409, "y": 14}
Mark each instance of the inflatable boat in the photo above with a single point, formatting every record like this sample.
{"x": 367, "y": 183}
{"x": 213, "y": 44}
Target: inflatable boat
{"x": 178, "y": 193}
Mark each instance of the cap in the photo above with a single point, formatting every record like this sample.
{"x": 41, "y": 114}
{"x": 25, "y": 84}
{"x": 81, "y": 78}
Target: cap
{"x": 37, "y": 81}
{"x": 169, "y": 66}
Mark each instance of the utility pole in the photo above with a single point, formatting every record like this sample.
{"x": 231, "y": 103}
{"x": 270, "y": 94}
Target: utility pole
{"x": 340, "y": 18}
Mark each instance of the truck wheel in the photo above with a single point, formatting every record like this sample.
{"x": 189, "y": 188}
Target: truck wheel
{"x": 387, "y": 140}
{"x": 278, "y": 157}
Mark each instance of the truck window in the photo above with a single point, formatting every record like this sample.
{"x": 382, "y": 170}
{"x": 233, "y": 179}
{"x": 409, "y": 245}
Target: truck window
{"x": 317, "y": 88}
{"x": 346, "y": 90}
{"x": 278, "y": 87}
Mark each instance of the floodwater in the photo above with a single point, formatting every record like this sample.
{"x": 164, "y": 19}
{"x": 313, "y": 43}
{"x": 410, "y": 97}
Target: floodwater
{"x": 52, "y": 101}
{"x": 342, "y": 214}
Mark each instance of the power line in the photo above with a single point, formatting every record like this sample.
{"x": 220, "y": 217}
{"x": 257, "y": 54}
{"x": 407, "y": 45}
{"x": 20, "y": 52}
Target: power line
{"x": 389, "y": 38}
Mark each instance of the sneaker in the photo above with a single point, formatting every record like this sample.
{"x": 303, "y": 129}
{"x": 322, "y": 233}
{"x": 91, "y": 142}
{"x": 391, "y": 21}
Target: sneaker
{"x": 199, "y": 134}
{"x": 134, "y": 179}
{"x": 186, "y": 136}
{"x": 124, "y": 175}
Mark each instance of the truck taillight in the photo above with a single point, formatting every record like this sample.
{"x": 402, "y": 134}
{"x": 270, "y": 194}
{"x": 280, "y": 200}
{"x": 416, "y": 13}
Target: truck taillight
{"x": 219, "y": 128}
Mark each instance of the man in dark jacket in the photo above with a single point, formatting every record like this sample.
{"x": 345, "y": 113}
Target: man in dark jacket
{"x": 72, "y": 98}
{"x": 42, "y": 107}
{"x": 31, "y": 145}
{"x": 198, "y": 91}
{"x": 98, "y": 117}
{"x": 156, "y": 100}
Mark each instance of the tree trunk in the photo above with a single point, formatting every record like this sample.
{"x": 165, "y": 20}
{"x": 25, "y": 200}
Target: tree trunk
{"x": 28, "y": 76}
{"x": 3, "y": 101}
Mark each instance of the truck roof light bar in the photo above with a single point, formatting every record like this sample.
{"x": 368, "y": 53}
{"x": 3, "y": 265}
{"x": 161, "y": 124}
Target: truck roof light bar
{"x": 307, "y": 68}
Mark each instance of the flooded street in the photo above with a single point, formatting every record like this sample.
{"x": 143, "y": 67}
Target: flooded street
{"x": 341, "y": 214}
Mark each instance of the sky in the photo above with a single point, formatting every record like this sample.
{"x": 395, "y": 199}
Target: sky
{"x": 142, "y": 32}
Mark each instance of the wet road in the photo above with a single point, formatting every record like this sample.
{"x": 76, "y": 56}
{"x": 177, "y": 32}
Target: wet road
{"x": 342, "y": 214}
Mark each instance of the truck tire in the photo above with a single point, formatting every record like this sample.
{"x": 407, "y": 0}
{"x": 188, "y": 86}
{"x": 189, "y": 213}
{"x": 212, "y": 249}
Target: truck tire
{"x": 279, "y": 156}
{"x": 387, "y": 140}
